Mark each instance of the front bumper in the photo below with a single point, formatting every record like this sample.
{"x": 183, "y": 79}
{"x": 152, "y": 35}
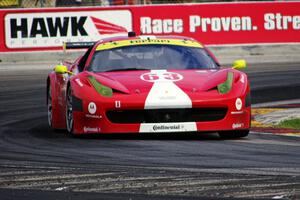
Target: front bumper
{"x": 100, "y": 122}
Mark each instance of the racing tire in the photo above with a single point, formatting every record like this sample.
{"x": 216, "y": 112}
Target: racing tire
{"x": 233, "y": 134}
{"x": 49, "y": 107}
{"x": 69, "y": 111}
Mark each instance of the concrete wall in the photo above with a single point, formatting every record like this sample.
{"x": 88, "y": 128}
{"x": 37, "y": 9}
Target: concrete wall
{"x": 258, "y": 53}
{"x": 225, "y": 54}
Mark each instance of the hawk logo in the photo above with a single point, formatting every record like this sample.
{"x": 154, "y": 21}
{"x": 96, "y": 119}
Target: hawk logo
{"x": 104, "y": 27}
{"x": 50, "y": 29}
{"x": 47, "y": 27}
{"x": 53, "y": 27}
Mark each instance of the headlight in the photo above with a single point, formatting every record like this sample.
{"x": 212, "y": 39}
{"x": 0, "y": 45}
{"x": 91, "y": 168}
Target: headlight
{"x": 225, "y": 87}
{"x": 101, "y": 89}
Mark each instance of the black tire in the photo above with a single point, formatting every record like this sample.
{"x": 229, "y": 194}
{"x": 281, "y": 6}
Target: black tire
{"x": 69, "y": 111}
{"x": 49, "y": 107}
{"x": 233, "y": 134}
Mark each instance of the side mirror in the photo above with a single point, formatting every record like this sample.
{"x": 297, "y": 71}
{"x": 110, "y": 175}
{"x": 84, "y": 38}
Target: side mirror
{"x": 239, "y": 64}
{"x": 61, "y": 69}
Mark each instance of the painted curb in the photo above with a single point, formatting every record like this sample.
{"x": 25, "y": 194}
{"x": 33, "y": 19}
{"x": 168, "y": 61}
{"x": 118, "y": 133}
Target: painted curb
{"x": 263, "y": 126}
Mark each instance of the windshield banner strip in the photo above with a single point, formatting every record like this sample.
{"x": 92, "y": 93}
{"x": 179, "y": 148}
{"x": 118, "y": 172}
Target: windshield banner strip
{"x": 124, "y": 43}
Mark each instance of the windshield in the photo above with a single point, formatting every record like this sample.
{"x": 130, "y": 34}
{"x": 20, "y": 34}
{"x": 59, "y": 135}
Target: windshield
{"x": 152, "y": 57}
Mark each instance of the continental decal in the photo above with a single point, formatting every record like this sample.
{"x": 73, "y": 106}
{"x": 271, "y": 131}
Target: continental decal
{"x": 124, "y": 43}
{"x": 168, "y": 127}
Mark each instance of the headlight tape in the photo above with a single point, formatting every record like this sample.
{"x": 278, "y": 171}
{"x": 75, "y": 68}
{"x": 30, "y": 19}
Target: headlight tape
{"x": 225, "y": 87}
{"x": 101, "y": 89}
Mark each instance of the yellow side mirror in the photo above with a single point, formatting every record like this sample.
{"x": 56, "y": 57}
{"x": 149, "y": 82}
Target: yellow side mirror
{"x": 61, "y": 69}
{"x": 239, "y": 64}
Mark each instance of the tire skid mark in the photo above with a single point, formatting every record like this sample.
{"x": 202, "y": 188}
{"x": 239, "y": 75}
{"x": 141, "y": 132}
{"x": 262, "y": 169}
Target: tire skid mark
{"x": 157, "y": 181}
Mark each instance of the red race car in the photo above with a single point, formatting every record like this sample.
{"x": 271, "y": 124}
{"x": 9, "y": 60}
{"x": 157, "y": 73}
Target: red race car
{"x": 148, "y": 84}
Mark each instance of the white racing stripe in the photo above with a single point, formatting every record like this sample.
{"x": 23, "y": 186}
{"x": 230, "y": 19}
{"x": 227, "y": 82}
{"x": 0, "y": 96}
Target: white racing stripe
{"x": 165, "y": 94}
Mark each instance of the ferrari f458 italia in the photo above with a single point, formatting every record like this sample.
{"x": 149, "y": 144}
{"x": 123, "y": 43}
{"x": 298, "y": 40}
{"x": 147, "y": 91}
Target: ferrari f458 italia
{"x": 148, "y": 84}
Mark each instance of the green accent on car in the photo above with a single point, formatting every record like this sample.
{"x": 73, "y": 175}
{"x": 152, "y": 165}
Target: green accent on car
{"x": 225, "y": 87}
{"x": 101, "y": 89}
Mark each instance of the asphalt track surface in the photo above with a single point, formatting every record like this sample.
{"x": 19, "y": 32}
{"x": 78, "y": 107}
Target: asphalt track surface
{"x": 39, "y": 163}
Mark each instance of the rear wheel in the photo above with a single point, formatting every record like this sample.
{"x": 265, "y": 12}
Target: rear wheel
{"x": 69, "y": 111}
{"x": 49, "y": 107}
{"x": 233, "y": 134}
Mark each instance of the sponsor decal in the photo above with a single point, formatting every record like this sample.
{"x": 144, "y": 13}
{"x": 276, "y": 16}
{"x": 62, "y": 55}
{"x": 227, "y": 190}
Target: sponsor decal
{"x": 237, "y": 112}
{"x": 156, "y": 76}
{"x": 164, "y": 127}
{"x": 91, "y": 129}
{"x": 238, "y": 104}
{"x": 237, "y": 125}
{"x": 278, "y": 21}
{"x": 158, "y": 26}
{"x": 217, "y": 24}
{"x": 93, "y": 116}
{"x": 53, "y": 28}
{"x": 77, "y": 80}
{"x": 92, "y": 108}
{"x": 168, "y": 127}
{"x": 197, "y": 23}
{"x": 242, "y": 78}
{"x": 118, "y": 104}
{"x": 149, "y": 40}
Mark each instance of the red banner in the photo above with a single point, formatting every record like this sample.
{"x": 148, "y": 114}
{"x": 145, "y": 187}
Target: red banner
{"x": 211, "y": 24}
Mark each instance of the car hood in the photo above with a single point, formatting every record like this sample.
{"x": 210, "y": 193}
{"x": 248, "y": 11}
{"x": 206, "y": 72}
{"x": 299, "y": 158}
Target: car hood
{"x": 141, "y": 81}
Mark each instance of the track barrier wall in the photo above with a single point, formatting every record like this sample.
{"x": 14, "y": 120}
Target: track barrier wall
{"x": 240, "y": 25}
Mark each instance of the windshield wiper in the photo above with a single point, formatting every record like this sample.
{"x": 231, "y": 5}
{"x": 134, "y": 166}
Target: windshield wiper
{"x": 126, "y": 69}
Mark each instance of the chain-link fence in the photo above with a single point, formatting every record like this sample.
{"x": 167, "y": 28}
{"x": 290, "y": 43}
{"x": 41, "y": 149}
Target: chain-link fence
{"x": 62, "y": 3}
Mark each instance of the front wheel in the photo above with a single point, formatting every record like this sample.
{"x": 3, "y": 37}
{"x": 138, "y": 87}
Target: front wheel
{"x": 233, "y": 134}
{"x": 69, "y": 111}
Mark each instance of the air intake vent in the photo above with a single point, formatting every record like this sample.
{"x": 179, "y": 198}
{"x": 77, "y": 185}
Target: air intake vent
{"x": 166, "y": 115}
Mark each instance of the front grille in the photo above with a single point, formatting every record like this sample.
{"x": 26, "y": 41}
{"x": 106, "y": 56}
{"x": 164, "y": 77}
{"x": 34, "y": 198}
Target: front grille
{"x": 166, "y": 115}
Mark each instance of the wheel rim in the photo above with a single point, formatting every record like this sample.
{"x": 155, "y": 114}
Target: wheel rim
{"x": 69, "y": 112}
{"x": 49, "y": 107}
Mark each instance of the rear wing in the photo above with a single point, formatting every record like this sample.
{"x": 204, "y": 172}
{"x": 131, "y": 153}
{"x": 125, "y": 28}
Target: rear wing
{"x": 77, "y": 45}
{"x": 74, "y": 45}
